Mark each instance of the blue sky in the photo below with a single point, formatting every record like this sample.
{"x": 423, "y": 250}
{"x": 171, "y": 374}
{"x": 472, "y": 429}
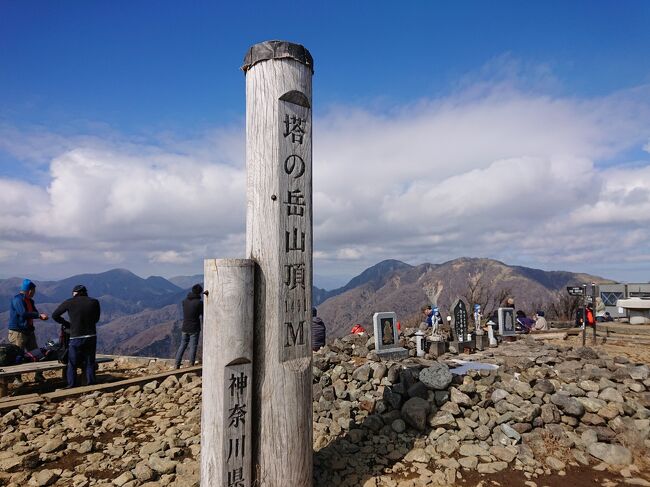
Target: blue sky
{"x": 138, "y": 84}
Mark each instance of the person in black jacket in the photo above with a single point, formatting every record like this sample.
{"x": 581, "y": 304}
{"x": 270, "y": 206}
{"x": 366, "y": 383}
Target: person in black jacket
{"x": 83, "y": 313}
{"x": 192, "y": 313}
{"x": 318, "y": 331}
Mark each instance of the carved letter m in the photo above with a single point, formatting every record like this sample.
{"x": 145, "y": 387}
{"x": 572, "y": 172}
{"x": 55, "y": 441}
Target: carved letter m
{"x": 295, "y": 337}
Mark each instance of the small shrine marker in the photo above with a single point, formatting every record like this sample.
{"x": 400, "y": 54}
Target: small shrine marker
{"x": 506, "y": 321}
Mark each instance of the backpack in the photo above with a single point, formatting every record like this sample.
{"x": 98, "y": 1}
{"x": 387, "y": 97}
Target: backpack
{"x": 63, "y": 345}
{"x": 35, "y": 355}
{"x": 43, "y": 354}
{"x": 590, "y": 317}
{"x": 10, "y": 354}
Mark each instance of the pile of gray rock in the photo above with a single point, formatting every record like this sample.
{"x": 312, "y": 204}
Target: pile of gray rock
{"x": 141, "y": 436}
{"x": 544, "y": 410}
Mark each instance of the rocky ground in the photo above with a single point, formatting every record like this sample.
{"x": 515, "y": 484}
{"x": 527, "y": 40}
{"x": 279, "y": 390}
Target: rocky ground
{"x": 141, "y": 436}
{"x": 550, "y": 415}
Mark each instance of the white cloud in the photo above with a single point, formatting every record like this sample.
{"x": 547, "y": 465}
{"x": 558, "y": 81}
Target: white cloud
{"x": 7, "y": 254}
{"x": 488, "y": 171}
{"x": 170, "y": 257}
{"x": 52, "y": 256}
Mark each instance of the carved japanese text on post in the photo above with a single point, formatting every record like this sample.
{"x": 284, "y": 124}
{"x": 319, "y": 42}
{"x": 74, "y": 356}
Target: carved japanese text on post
{"x": 294, "y": 159}
{"x": 237, "y": 425}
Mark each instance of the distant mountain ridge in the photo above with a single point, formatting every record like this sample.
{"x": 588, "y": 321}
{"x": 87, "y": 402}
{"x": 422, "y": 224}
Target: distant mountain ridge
{"x": 120, "y": 292}
{"x": 404, "y": 289}
{"x": 142, "y": 316}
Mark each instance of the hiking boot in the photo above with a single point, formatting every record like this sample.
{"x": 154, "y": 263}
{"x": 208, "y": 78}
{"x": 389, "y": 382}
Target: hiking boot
{"x": 39, "y": 377}
{"x": 17, "y": 382}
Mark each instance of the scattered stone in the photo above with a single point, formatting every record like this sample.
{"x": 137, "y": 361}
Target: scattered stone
{"x": 611, "y": 454}
{"x": 494, "y": 467}
{"x": 415, "y": 412}
{"x": 567, "y": 404}
{"x": 436, "y": 377}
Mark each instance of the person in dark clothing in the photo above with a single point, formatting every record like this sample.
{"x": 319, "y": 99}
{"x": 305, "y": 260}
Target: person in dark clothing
{"x": 83, "y": 313}
{"x": 192, "y": 313}
{"x": 523, "y": 322}
{"x": 318, "y": 331}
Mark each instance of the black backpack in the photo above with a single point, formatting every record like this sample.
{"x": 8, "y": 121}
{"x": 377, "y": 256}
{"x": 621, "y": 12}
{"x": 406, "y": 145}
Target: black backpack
{"x": 10, "y": 354}
{"x": 63, "y": 345}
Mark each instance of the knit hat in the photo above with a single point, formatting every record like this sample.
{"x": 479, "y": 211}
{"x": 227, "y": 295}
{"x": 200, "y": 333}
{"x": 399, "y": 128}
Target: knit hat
{"x": 27, "y": 285}
{"x": 80, "y": 289}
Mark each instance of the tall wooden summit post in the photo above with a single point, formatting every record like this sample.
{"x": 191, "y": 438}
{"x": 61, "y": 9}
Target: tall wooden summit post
{"x": 279, "y": 240}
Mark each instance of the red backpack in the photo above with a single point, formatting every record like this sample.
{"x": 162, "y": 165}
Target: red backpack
{"x": 590, "y": 317}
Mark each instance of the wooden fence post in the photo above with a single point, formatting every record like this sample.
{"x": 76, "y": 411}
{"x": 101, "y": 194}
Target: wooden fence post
{"x": 226, "y": 418}
{"x": 279, "y": 240}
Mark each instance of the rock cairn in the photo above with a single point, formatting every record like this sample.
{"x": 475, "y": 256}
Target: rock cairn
{"x": 140, "y": 436}
{"x": 545, "y": 409}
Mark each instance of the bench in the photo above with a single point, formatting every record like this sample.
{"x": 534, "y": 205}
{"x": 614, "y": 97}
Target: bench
{"x": 31, "y": 367}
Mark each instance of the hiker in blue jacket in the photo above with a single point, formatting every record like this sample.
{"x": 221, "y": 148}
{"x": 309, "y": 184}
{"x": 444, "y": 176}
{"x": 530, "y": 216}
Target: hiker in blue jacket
{"x": 22, "y": 313}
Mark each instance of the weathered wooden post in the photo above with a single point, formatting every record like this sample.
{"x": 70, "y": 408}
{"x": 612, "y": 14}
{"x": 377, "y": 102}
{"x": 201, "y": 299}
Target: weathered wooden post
{"x": 226, "y": 418}
{"x": 279, "y": 239}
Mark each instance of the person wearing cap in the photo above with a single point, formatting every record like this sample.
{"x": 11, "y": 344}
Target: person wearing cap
{"x": 83, "y": 315}
{"x": 192, "y": 313}
{"x": 22, "y": 313}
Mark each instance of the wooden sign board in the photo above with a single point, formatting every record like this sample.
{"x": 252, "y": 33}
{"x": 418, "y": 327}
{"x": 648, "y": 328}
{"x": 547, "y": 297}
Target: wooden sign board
{"x": 575, "y": 290}
{"x": 294, "y": 143}
{"x": 237, "y": 425}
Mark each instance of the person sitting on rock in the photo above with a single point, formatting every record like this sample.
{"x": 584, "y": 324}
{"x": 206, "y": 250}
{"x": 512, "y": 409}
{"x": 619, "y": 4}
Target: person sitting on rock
{"x": 600, "y": 310}
{"x": 524, "y": 323}
{"x": 540, "y": 322}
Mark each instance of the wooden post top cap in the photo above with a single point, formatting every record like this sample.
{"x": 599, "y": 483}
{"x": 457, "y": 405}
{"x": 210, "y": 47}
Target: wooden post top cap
{"x": 267, "y": 50}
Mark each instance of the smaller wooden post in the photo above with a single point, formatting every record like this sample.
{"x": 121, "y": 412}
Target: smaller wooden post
{"x": 226, "y": 420}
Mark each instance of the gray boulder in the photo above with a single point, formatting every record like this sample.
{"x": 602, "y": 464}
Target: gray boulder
{"x": 612, "y": 454}
{"x": 415, "y": 412}
{"x": 568, "y": 405}
{"x": 437, "y": 377}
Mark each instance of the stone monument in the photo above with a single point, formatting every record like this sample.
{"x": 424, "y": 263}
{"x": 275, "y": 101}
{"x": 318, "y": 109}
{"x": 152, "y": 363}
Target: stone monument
{"x": 506, "y": 321}
{"x": 459, "y": 328}
{"x": 387, "y": 337}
